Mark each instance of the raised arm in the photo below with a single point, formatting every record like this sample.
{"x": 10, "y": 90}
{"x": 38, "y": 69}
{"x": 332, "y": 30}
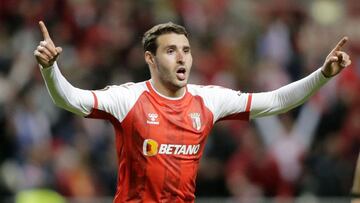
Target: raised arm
{"x": 46, "y": 53}
{"x": 296, "y": 93}
{"x": 61, "y": 91}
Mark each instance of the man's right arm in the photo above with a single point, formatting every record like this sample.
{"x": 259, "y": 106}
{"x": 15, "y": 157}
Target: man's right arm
{"x": 64, "y": 94}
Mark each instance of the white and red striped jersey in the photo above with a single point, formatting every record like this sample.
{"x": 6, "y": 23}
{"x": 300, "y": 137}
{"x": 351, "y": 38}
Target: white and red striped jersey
{"x": 160, "y": 140}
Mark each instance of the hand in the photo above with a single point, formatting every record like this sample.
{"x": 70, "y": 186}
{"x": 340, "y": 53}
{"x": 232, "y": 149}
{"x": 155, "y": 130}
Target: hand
{"x": 336, "y": 60}
{"x": 46, "y": 53}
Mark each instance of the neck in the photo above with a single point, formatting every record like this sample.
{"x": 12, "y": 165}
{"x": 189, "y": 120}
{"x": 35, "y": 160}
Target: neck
{"x": 166, "y": 91}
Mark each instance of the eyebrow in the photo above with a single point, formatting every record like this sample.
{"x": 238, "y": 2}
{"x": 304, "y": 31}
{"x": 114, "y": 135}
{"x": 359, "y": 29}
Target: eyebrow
{"x": 172, "y": 46}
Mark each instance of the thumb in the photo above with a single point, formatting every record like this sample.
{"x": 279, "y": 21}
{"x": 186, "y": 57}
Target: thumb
{"x": 333, "y": 59}
{"x": 58, "y": 50}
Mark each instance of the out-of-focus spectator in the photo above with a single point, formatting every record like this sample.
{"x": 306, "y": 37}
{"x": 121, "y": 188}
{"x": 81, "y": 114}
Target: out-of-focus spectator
{"x": 253, "y": 172}
{"x": 246, "y": 45}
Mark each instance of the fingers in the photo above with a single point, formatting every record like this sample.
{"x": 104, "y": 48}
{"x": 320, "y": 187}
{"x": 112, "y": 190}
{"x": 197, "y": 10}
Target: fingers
{"x": 337, "y": 60}
{"x": 340, "y": 44}
{"x": 41, "y": 56}
{"x": 48, "y": 47}
{"x": 343, "y": 58}
{"x": 58, "y": 50}
{"x": 44, "y": 31}
{"x": 46, "y": 53}
{"x": 333, "y": 59}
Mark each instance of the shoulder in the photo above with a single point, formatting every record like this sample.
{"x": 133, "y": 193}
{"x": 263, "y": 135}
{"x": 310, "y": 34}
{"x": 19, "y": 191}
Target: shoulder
{"x": 198, "y": 89}
{"x": 138, "y": 87}
{"x": 208, "y": 90}
{"x": 124, "y": 92}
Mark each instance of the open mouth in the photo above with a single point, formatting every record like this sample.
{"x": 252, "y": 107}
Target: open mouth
{"x": 180, "y": 73}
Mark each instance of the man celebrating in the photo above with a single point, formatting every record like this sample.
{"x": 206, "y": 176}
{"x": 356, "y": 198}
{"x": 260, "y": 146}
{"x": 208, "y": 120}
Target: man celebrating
{"x": 162, "y": 124}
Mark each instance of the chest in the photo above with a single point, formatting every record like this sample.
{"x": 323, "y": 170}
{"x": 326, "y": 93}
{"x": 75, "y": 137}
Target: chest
{"x": 168, "y": 129}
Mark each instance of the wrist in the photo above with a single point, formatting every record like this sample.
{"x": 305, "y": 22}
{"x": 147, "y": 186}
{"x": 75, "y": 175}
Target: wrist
{"x": 325, "y": 74}
{"x": 42, "y": 66}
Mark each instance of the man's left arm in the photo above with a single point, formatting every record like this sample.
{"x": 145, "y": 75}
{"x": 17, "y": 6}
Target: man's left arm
{"x": 296, "y": 93}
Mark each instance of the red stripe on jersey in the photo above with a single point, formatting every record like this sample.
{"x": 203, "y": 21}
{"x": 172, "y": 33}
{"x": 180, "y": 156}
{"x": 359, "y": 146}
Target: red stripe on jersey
{"x": 95, "y": 100}
{"x": 248, "y": 105}
{"x": 238, "y": 116}
{"x": 243, "y": 115}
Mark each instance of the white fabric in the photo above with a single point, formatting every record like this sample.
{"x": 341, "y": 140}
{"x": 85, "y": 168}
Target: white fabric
{"x": 222, "y": 102}
{"x": 286, "y": 97}
{"x": 116, "y": 100}
{"x": 119, "y": 99}
{"x": 64, "y": 94}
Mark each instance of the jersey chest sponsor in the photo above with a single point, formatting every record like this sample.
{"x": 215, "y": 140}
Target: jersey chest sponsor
{"x": 151, "y": 148}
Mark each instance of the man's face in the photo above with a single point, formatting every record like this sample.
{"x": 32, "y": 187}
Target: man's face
{"x": 173, "y": 60}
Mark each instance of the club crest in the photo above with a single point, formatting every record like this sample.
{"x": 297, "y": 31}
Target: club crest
{"x": 196, "y": 121}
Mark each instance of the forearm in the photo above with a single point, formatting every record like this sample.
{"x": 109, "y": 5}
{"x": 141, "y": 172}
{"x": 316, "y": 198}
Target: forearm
{"x": 287, "y": 97}
{"x": 64, "y": 94}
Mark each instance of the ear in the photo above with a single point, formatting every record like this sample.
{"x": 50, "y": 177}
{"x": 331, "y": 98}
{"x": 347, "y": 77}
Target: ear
{"x": 149, "y": 58}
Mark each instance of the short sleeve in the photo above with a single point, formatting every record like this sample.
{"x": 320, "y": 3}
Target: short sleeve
{"x": 115, "y": 100}
{"x": 225, "y": 103}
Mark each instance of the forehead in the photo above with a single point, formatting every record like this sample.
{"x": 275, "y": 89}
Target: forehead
{"x": 172, "y": 39}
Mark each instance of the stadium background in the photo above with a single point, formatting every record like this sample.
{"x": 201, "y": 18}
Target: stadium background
{"x": 306, "y": 154}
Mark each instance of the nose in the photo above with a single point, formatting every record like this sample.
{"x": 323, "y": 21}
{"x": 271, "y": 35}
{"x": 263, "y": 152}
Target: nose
{"x": 180, "y": 58}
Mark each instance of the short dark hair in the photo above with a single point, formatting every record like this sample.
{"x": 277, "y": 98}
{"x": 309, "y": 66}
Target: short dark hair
{"x": 150, "y": 36}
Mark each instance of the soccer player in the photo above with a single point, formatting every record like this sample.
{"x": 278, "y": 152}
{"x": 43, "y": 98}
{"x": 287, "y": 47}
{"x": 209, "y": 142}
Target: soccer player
{"x": 162, "y": 124}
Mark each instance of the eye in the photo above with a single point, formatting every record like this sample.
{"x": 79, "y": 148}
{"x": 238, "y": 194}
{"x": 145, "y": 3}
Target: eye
{"x": 186, "y": 50}
{"x": 170, "y": 51}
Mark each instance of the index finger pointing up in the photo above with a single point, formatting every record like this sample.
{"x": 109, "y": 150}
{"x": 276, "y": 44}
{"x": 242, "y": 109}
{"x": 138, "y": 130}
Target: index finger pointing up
{"x": 340, "y": 44}
{"x": 44, "y": 31}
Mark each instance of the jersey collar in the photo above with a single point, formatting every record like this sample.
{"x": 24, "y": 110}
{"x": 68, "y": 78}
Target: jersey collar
{"x": 162, "y": 97}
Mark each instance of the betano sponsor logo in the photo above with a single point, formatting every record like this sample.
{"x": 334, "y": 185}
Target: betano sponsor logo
{"x": 151, "y": 148}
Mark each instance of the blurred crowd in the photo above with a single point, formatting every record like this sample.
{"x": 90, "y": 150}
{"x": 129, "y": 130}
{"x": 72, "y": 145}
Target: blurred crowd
{"x": 245, "y": 45}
